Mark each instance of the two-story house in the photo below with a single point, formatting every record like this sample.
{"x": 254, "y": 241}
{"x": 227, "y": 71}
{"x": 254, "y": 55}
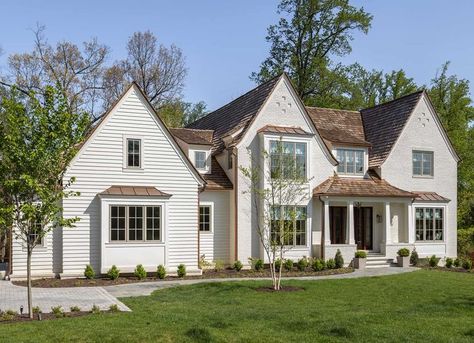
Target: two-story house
{"x": 377, "y": 179}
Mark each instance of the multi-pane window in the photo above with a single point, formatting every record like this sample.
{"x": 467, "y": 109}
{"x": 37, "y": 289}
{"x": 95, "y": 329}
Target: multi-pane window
{"x": 423, "y": 163}
{"x": 133, "y": 153}
{"x": 205, "y": 218}
{"x": 33, "y": 236}
{"x": 200, "y": 159}
{"x": 429, "y": 224}
{"x": 135, "y": 223}
{"x": 288, "y": 225}
{"x": 287, "y": 159}
{"x": 351, "y": 161}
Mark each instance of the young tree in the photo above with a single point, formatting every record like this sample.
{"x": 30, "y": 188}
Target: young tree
{"x": 277, "y": 183}
{"x": 39, "y": 136}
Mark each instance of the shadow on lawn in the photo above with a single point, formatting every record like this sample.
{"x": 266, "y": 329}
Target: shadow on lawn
{"x": 199, "y": 335}
{"x": 338, "y": 331}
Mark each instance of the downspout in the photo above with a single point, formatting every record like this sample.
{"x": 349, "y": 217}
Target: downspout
{"x": 236, "y": 187}
{"x": 198, "y": 230}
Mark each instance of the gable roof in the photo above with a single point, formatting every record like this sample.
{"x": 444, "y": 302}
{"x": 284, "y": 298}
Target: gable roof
{"x": 384, "y": 123}
{"x": 193, "y": 136}
{"x": 339, "y": 126}
{"x": 236, "y": 114}
{"x": 103, "y": 119}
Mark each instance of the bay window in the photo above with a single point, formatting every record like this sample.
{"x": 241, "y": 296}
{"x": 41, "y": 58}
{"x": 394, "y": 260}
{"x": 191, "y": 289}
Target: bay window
{"x": 429, "y": 224}
{"x": 288, "y": 159}
{"x": 135, "y": 223}
{"x": 288, "y": 225}
{"x": 351, "y": 161}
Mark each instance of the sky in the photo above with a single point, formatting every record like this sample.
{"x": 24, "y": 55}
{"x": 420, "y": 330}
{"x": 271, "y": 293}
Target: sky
{"x": 224, "y": 41}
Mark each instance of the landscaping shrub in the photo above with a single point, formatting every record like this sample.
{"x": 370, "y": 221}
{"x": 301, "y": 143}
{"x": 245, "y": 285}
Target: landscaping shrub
{"x": 238, "y": 265}
{"x": 57, "y": 311}
{"x": 457, "y": 262}
{"x": 113, "y": 273}
{"x": 161, "y": 272}
{"x": 433, "y": 261}
{"x": 140, "y": 272}
{"x": 114, "y": 308}
{"x": 331, "y": 264}
{"x": 318, "y": 265}
{"x": 339, "y": 261}
{"x": 467, "y": 264}
{"x": 360, "y": 254}
{"x": 258, "y": 265}
{"x": 403, "y": 252}
{"x": 36, "y": 309}
{"x": 277, "y": 264}
{"x": 89, "y": 272}
{"x": 181, "y": 270}
{"x": 302, "y": 264}
{"x": 95, "y": 309}
{"x": 203, "y": 263}
{"x": 75, "y": 309}
{"x": 414, "y": 258}
{"x": 449, "y": 262}
{"x": 218, "y": 265}
{"x": 8, "y": 315}
{"x": 288, "y": 264}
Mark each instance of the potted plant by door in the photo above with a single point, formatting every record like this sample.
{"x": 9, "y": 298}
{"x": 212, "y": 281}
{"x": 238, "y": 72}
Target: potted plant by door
{"x": 360, "y": 259}
{"x": 403, "y": 258}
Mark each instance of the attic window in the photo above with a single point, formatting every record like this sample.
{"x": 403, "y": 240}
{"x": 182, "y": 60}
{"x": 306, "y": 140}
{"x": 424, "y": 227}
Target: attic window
{"x": 133, "y": 153}
{"x": 200, "y": 159}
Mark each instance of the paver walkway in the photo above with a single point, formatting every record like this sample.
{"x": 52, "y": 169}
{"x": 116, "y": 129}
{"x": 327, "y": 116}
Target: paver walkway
{"x": 146, "y": 288}
{"x": 12, "y": 297}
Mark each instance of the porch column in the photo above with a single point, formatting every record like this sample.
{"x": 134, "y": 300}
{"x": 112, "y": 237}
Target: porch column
{"x": 410, "y": 224}
{"x": 327, "y": 233}
{"x": 350, "y": 222}
{"x": 388, "y": 233}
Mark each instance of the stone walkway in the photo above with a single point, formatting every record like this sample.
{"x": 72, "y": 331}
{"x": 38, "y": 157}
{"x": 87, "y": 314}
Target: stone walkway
{"x": 146, "y": 288}
{"x": 12, "y": 297}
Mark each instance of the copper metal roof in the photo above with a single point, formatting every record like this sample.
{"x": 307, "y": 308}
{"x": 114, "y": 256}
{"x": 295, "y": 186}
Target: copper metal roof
{"x": 284, "y": 130}
{"x": 134, "y": 191}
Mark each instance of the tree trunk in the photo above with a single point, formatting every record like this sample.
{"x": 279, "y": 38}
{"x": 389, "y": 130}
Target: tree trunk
{"x": 28, "y": 281}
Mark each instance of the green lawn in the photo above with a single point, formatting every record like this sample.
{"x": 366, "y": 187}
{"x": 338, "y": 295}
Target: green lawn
{"x": 424, "y": 306}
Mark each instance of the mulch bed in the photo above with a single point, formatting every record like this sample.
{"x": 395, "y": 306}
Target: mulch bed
{"x": 49, "y": 316}
{"x": 282, "y": 289}
{"x": 207, "y": 274}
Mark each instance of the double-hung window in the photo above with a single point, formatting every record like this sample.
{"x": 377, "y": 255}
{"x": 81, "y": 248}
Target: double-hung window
{"x": 205, "y": 218}
{"x": 288, "y": 159}
{"x": 288, "y": 225}
{"x": 351, "y": 161}
{"x": 135, "y": 223}
{"x": 423, "y": 163}
{"x": 35, "y": 233}
{"x": 429, "y": 224}
{"x": 133, "y": 153}
{"x": 200, "y": 159}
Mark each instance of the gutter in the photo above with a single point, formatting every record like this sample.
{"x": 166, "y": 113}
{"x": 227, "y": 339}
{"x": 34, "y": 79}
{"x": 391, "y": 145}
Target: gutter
{"x": 236, "y": 188}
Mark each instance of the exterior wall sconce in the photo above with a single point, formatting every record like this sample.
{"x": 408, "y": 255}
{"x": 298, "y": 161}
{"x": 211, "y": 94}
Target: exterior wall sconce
{"x": 379, "y": 218}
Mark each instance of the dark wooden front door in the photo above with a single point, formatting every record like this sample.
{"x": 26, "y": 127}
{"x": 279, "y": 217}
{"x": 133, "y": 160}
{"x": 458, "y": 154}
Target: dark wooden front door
{"x": 363, "y": 227}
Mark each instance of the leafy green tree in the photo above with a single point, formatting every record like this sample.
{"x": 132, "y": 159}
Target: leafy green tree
{"x": 178, "y": 113}
{"x": 39, "y": 136}
{"x": 309, "y": 33}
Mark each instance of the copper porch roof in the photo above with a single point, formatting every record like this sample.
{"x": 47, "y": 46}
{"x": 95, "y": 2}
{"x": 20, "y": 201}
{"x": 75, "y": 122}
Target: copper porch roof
{"x": 372, "y": 186}
{"x": 284, "y": 129}
{"x": 134, "y": 191}
{"x": 217, "y": 180}
{"x": 193, "y": 136}
{"x": 429, "y": 196}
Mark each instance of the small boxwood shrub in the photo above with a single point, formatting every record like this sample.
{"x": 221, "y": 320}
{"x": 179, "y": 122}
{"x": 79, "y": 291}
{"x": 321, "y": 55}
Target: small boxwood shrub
{"x": 331, "y": 264}
{"x": 89, "y": 272}
{"x": 140, "y": 272}
{"x": 433, "y": 261}
{"x": 449, "y": 262}
{"x": 114, "y": 308}
{"x": 258, "y": 264}
{"x": 403, "y": 252}
{"x": 318, "y": 265}
{"x": 277, "y": 264}
{"x": 218, "y": 265}
{"x": 302, "y": 264}
{"x": 288, "y": 264}
{"x": 113, "y": 273}
{"x": 360, "y": 254}
{"x": 338, "y": 259}
{"x": 457, "y": 262}
{"x": 181, "y": 270}
{"x": 36, "y": 309}
{"x": 414, "y": 258}
{"x": 161, "y": 272}
{"x": 75, "y": 309}
{"x": 238, "y": 265}
{"x": 95, "y": 309}
{"x": 57, "y": 311}
{"x": 467, "y": 264}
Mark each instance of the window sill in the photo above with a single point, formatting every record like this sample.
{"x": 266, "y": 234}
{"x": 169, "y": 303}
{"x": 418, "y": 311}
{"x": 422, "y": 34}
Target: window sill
{"x": 430, "y": 242}
{"x": 205, "y": 232}
{"x": 422, "y": 177}
{"x": 131, "y": 244}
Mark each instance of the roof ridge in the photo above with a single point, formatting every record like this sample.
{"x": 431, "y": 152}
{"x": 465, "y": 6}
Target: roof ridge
{"x": 393, "y": 100}
{"x": 332, "y": 109}
{"x": 191, "y": 129}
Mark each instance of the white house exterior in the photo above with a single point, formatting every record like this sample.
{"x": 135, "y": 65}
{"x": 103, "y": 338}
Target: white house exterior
{"x": 379, "y": 179}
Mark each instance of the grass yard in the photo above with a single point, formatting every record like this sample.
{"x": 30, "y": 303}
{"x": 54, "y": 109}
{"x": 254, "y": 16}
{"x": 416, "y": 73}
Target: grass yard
{"x": 422, "y": 306}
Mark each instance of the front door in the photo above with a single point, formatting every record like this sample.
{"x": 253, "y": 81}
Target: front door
{"x": 363, "y": 227}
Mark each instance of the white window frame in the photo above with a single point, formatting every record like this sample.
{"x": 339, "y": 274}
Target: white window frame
{"x": 364, "y": 161}
{"x": 211, "y": 217}
{"x": 445, "y": 217}
{"x": 291, "y": 141}
{"x": 200, "y": 152}
{"x": 422, "y": 151}
{"x": 126, "y": 167}
{"x": 294, "y": 245}
{"x": 192, "y": 150}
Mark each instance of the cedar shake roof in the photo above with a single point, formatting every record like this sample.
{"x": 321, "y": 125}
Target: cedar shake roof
{"x": 339, "y": 126}
{"x": 236, "y": 114}
{"x": 429, "y": 196}
{"x": 284, "y": 130}
{"x": 217, "y": 179}
{"x": 134, "y": 191}
{"x": 193, "y": 136}
{"x": 384, "y": 123}
{"x": 372, "y": 186}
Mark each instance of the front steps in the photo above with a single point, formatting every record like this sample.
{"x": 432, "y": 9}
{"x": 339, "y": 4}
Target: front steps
{"x": 378, "y": 260}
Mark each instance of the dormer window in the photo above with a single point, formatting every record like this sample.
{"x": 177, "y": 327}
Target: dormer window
{"x": 351, "y": 161}
{"x": 200, "y": 160}
{"x": 133, "y": 153}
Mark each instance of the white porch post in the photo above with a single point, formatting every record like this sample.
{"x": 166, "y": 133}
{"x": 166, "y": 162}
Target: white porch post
{"x": 410, "y": 224}
{"x": 327, "y": 233}
{"x": 388, "y": 233}
{"x": 350, "y": 222}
